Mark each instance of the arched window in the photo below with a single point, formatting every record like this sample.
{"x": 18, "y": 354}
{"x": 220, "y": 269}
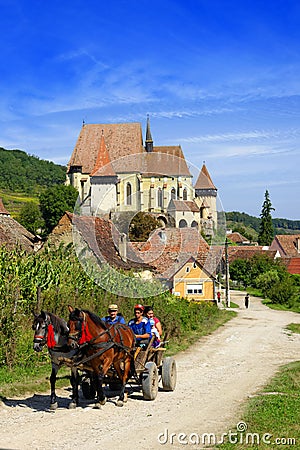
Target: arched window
{"x": 194, "y": 224}
{"x": 159, "y": 198}
{"x": 182, "y": 223}
{"x": 173, "y": 194}
{"x": 184, "y": 194}
{"x": 128, "y": 194}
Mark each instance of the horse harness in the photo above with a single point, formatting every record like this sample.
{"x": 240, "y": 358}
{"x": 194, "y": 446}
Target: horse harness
{"x": 102, "y": 346}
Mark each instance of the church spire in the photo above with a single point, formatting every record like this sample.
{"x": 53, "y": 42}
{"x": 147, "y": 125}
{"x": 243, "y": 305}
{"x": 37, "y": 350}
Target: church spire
{"x": 103, "y": 166}
{"x": 149, "y": 140}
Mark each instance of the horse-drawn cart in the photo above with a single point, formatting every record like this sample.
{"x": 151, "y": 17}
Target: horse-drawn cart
{"x": 148, "y": 369}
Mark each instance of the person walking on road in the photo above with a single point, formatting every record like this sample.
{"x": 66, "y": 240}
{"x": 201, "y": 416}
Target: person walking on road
{"x": 247, "y": 300}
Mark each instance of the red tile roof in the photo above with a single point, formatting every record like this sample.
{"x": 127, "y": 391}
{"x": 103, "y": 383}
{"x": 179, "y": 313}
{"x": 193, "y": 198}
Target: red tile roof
{"x": 204, "y": 180}
{"x": 292, "y": 264}
{"x": 237, "y": 238}
{"x": 168, "y": 250}
{"x": 13, "y": 234}
{"x": 103, "y": 165}
{"x": 286, "y": 244}
{"x": 124, "y": 146}
{"x": 247, "y": 251}
{"x": 183, "y": 205}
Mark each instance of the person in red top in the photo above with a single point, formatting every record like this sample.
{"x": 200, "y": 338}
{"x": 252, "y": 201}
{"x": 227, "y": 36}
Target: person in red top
{"x": 156, "y": 328}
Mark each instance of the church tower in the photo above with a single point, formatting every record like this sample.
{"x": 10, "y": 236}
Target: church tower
{"x": 149, "y": 140}
{"x": 206, "y": 199}
{"x": 103, "y": 179}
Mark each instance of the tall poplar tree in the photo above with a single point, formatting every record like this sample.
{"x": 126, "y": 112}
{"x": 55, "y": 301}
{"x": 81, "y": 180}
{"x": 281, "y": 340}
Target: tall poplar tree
{"x": 266, "y": 229}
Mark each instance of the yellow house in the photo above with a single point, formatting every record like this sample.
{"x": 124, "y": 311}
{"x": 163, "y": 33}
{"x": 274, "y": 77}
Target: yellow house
{"x": 193, "y": 282}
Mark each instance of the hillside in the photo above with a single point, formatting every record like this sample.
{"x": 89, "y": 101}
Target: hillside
{"x": 23, "y": 177}
{"x": 250, "y": 224}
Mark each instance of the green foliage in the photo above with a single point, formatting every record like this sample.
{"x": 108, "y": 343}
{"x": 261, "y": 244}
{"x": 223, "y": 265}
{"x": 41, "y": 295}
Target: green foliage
{"x": 63, "y": 281}
{"x": 141, "y": 226}
{"x": 31, "y": 217}
{"x": 270, "y": 277}
{"x": 266, "y": 229}
{"x": 54, "y": 202}
{"x": 21, "y": 172}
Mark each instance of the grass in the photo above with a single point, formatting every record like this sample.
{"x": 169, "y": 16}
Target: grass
{"x": 14, "y": 201}
{"x": 295, "y": 308}
{"x": 294, "y": 327}
{"x": 273, "y": 414}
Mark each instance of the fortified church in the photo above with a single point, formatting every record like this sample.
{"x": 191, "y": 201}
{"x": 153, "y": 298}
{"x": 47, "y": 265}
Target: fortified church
{"x": 114, "y": 172}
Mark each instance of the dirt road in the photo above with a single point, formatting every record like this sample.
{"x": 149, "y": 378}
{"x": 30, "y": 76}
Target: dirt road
{"x": 215, "y": 378}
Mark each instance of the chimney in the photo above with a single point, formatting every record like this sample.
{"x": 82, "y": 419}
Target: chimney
{"x": 123, "y": 246}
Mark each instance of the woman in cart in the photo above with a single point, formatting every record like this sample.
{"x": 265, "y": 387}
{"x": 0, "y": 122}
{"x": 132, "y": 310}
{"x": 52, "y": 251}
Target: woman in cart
{"x": 156, "y": 328}
{"x": 140, "y": 326}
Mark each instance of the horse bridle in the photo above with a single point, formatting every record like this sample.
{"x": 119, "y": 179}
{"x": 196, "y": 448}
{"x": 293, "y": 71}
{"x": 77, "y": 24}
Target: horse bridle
{"x": 39, "y": 339}
{"x": 76, "y": 335}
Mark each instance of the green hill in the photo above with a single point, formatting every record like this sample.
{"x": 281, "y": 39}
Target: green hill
{"x": 24, "y": 176}
{"x": 249, "y": 225}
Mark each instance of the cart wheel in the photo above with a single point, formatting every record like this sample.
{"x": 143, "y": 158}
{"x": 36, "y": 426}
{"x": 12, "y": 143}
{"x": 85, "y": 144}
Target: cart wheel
{"x": 169, "y": 374}
{"x": 150, "y": 381}
{"x": 88, "y": 389}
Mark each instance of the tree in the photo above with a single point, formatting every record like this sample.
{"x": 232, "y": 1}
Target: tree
{"x": 31, "y": 217}
{"x": 54, "y": 202}
{"x": 266, "y": 229}
{"x": 141, "y": 226}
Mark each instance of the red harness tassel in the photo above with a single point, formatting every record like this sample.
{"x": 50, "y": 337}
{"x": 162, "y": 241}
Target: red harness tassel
{"x": 50, "y": 338}
{"x": 85, "y": 334}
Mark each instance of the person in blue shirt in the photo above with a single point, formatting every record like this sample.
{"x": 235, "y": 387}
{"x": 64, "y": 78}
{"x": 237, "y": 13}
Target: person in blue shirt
{"x": 113, "y": 316}
{"x": 140, "y": 326}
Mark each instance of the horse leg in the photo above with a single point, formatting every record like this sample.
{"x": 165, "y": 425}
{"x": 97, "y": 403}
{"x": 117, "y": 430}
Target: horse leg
{"x": 74, "y": 383}
{"x": 53, "y": 401}
{"x": 123, "y": 375}
{"x": 100, "y": 399}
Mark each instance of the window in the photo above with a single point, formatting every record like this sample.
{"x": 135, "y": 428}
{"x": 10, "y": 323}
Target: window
{"x": 128, "y": 194}
{"x": 184, "y": 194}
{"x": 182, "y": 223}
{"x": 194, "y": 288}
{"x": 173, "y": 194}
{"x": 187, "y": 269}
{"x": 159, "y": 198}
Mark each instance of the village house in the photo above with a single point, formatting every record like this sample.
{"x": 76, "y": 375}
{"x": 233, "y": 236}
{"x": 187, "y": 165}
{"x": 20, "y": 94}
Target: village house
{"x": 13, "y": 234}
{"x": 288, "y": 246}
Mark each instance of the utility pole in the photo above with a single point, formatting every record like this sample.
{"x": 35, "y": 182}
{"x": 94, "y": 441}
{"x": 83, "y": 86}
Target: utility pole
{"x": 227, "y": 290}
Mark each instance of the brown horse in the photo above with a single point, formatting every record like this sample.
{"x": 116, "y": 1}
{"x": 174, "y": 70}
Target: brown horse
{"x": 103, "y": 346}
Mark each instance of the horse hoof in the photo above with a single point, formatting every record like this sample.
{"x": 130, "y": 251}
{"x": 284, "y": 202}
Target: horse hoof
{"x": 125, "y": 397}
{"x": 72, "y": 405}
{"x": 120, "y": 403}
{"x": 97, "y": 406}
{"x": 53, "y": 406}
{"x": 102, "y": 402}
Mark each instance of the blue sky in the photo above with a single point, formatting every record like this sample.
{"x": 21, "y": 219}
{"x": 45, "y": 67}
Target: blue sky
{"x": 220, "y": 78}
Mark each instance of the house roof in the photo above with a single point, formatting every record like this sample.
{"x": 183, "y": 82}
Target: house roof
{"x": 237, "y": 238}
{"x": 13, "y": 234}
{"x": 286, "y": 244}
{"x": 292, "y": 264}
{"x": 204, "y": 180}
{"x": 3, "y": 210}
{"x": 248, "y": 251}
{"x": 183, "y": 205}
{"x": 169, "y": 249}
{"x": 124, "y": 146}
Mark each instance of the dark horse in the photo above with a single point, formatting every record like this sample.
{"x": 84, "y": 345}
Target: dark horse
{"x": 105, "y": 346}
{"x": 53, "y": 331}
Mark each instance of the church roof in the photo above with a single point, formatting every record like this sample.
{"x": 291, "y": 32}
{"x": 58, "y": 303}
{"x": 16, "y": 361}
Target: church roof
{"x": 204, "y": 180}
{"x": 183, "y": 205}
{"x": 103, "y": 165}
{"x": 124, "y": 146}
